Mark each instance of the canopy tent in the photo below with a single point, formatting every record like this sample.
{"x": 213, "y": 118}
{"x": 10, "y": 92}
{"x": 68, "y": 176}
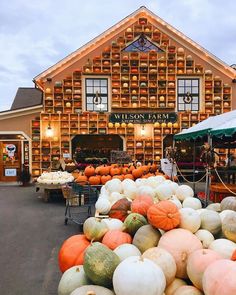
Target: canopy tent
{"x": 220, "y": 125}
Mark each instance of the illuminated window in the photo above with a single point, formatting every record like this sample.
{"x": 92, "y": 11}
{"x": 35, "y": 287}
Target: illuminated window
{"x": 142, "y": 44}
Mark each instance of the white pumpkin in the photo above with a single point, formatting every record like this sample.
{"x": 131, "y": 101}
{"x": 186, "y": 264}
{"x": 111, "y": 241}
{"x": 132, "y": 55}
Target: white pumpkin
{"x": 205, "y": 237}
{"x": 193, "y": 203}
{"x": 126, "y": 183}
{"x": 170, "y": 290}
{"x": 189, "y": 219}
{"x": 163, "y": 192}
{"x": 188, "y": 290}
{"x": 130, "y": 192}
{"x": 199, "y": 211}
{"x": 126, "y": 250}
{"x": 113, "y": 223}
{"x": 139, "y": 276}
{"x": 214, "y": 206}
{"x": 164, "y": 259}
{"x": 115, "y": 196}
{"x": 229, "y": 226}
{"x": 104, "y": 190}
{"x": 152, "y": 182}
{"x": 174, "y": 186}
{"x": 210, "y": 220}
{"x": 140, "y": 182}
{"x": 71, "y": 279}
{"x": 114, "y": 185}
{"x": 225, "y": 213}
{"x": 176, "y": 201}
{"x": 160, "y": 178}
{"x": 103, "y": 205}
{"x": 91, "y": 290}
{"x": 184, "y": 191}
{"x": 224, "y": 247}
{"x": 146, "y": 190}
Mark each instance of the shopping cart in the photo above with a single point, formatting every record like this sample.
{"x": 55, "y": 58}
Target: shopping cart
{"x": 80, "y": 199}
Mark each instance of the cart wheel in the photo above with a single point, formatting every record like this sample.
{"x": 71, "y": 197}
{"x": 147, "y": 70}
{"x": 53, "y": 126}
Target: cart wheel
{"x": 66, "y": 221}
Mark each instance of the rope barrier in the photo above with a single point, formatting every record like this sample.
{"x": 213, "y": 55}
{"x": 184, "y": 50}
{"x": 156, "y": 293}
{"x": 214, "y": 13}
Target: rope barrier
{"x": 187, "y": 179}
{"x": 224, "y": 183}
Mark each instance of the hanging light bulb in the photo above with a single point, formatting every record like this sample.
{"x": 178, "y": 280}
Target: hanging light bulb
{"x": 49, "y": 131}
{"x": 143, "y": 131}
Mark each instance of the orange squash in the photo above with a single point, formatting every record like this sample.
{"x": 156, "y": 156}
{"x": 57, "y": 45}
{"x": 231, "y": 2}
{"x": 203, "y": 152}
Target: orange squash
{"x": 114, "y": 171}
{"x": 82, "y": 179}
{"x": 89, "y": 171}
{"x": 114, "y": 238}
{"x": 72, "y": 252}
{"x": 104, "y": 170}
{"x": 141, "y": 205}
{"x": 164, "y": 215}
{"x": 120, "y": 177}
{"x": 94, "y": 180}
{"x": 137, "y": 173}
{"x": 105, "y": 178}
{"x": 128, "y": 176}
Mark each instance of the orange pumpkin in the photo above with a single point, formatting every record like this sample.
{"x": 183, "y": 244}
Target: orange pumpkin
{"x": 82, "y": 179}
{"x": 137, "y": 173}
{"x": 114, "y": 171}
{"x": 97, "y": 170}
{"x": 164, "y": 215}
{"x": 120, "y": 177}
{"x": 72, "y": 252}
{"x": 125, "y": 170}
{"x": 141, "y": 205}
{"x": 105, "y": 178}
{"x": 120, "y": 209}
{"x": 94, "y": 180}
{"x": 104, "y": 170}
{"x": 89, "y": 171}
{"x": 128, "y": 176}
{"x": 114, "y": 238}
{"x": 145, "y": 169}
{"x": 131, "y": 168}
{"x": 153, "y": 168}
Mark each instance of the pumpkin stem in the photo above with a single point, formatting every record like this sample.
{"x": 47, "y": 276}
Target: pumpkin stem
{"x": 183, "y": 256}
{"x": 90, "y": 293}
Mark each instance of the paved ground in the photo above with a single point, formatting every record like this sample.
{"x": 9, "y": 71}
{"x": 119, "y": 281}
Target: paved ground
{"x": 31, "y": 233}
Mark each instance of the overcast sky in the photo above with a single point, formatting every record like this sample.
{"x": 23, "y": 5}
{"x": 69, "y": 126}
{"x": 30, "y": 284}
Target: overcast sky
{"x": 36, "y": 34}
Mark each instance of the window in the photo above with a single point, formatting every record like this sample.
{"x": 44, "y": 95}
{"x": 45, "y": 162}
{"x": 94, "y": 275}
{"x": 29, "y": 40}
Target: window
{"x": 96, "y": 94}
{"x": 188, "y": 94}
{"x": 142, "y": 44}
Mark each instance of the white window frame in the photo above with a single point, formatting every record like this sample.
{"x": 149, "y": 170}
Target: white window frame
{"x": 84, "y": 101}
{"x": 201, "y": 94}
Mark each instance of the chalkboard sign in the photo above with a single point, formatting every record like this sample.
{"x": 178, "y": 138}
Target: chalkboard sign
{"x": 120, "y": 157}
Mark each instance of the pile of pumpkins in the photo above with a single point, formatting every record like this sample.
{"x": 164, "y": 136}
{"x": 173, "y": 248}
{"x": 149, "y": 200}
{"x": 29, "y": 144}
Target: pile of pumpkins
{"x": 152, "y": 237}
{"x": 103, "y": 173}
{"x": 58, "y": 177}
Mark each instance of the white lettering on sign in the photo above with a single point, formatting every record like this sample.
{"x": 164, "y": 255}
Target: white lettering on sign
{"x": 10, "y": 172}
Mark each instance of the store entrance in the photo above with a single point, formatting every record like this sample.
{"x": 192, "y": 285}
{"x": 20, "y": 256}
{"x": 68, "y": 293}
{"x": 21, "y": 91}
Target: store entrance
{"x": 95, "y": 149}
{"x": 10, "y": 164}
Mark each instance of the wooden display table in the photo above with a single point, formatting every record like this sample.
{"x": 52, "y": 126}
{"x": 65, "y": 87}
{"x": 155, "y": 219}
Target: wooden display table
{"x": 48, "y": 189}
{"x": 219, "y": 189}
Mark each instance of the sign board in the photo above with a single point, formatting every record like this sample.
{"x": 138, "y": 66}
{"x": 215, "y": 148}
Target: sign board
{"x": 67, "y": 155}
{"x": 120, "y": 157}
{"x": 141, "y": 118}
{"x": 10, "y": 172}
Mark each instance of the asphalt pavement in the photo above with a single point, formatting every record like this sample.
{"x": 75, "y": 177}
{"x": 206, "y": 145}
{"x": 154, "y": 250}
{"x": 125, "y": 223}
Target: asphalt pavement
{"x": 31, "y": 233}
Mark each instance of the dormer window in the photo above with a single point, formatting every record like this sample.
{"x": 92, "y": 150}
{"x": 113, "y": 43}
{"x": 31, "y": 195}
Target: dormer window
{"x": 96, "y": 94}
{"x": 142, "y": 44}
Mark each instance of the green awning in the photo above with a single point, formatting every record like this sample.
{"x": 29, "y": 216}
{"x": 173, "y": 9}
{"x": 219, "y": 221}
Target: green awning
{"x": 191, "y": 135}
{"x": 223, "y": 132}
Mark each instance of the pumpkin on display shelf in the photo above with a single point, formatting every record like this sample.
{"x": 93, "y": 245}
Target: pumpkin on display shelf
{"x": 103, "y": 205}
{"x": 94, "y": 180}
{"x": 94, "y": 228}
{"x": 105, "y": 179}
{"x": 71, "y": 252}
{"x": 141, "y": 204}
{"x": 126, "y": 250}
{"x": 89, "y": 171}
{"x": 133, "y": 222}
{"x": 114, "y": 238}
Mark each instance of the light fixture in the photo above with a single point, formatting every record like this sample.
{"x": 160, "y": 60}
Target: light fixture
{"x": 97, "y": 100}
{"x": 49, "y": 131}
{"x": 143, "y": 131}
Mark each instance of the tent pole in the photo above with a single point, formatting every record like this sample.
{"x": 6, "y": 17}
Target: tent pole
{"x": 208, "y": 174}
{"x": 194, "y": 165}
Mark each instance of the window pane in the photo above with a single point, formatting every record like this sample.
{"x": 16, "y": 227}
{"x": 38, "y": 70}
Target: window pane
{"x": 89, "y": 82}
{"x": 181, "y": 82}
{"x": 96, "y": 83}
{"x": 103, "y": 90}
{"x": 104, "y": 99}
{"x": 96, "y": 89}
{"x": 187, "y": 82}
{"x": 89, "y": 89}
{"x": 89, "y": 99}
{"x": 103, "y": 82}
{"x": 195, "y": 82}
{"x": 195, "y": 99}
{"x": 181, "y": 99}
{"x": 188, "y": 89}
{"x": 195, "y": 107}
{"x": 194, "y": 89}
{"x": 89, "y": 107}
{"x": 181, "y": 107}
{"x": 181, "y": 90}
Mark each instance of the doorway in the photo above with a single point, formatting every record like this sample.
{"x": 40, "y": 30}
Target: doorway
{"x": 95, "y": 148}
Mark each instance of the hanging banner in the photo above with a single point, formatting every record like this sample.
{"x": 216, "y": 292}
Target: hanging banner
{"x": 143, "y": 118}
{"x": 11, "y": 149}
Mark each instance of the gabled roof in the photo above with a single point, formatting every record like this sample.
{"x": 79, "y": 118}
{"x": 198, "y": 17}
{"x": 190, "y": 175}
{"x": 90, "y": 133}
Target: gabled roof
{"x": 27, "y": 97}
{"x": 130, "y": 19}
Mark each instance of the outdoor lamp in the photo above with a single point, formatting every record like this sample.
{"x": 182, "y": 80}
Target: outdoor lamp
{"x": 49, "y": 131}
{"x": 143, "y": 131}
